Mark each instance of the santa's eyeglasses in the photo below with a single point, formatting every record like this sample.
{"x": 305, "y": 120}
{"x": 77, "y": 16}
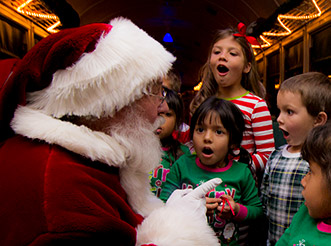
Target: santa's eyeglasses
{"x": 163, "y": 93}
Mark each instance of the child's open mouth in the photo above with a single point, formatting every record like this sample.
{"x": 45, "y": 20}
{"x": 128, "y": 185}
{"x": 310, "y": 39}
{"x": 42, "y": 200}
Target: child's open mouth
{"x": 285, "y": 133}
{"x": 223, "y": 70}
{"x": 206, "y": 151}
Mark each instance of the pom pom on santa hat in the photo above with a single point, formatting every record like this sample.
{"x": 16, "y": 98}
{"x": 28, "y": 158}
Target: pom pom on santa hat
{"x": 92, "y": 70}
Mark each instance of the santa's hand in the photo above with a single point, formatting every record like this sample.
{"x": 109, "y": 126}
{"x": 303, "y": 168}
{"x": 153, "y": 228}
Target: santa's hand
{"x": 193, "y": 199}
{"x": 182, "y": 221}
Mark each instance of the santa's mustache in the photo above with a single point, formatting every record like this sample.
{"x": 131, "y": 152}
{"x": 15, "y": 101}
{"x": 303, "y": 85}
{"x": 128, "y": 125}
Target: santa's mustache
{"x": 158, "y": 122}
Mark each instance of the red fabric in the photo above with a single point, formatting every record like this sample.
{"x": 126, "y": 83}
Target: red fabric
{"x": 55, "y": 52}
{"x": 242, "y": 33}
{"x": 257, "y": 140}
{"x": 182, "y": 137}
{"x": 7, "y": 67}
{"x": 51, "y": 196}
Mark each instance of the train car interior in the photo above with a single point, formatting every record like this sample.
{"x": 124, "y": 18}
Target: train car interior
{"x": 294, "y": 35}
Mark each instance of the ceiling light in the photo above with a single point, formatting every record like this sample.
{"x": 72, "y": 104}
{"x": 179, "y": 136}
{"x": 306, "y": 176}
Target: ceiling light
{"x": 167, "y": 38}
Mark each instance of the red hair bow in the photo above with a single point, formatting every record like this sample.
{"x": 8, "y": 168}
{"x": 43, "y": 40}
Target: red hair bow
{"x": 242, "y": 33}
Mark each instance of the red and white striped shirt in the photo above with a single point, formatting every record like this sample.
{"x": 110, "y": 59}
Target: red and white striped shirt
{"x": 258, "y": 137}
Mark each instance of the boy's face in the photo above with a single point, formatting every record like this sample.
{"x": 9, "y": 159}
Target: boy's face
{"x": 294, "y": 119}
{"x": 316, "y": 193}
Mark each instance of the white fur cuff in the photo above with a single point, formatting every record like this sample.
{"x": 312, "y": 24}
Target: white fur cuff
{"x": 171, "y": 225}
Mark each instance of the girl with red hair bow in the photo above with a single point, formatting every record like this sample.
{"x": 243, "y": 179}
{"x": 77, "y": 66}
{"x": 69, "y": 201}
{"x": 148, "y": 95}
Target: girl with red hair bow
{"x": 230, "y": 73}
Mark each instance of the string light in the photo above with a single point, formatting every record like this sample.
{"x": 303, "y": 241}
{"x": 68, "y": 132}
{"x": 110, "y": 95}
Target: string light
{"x": 39, "y": 15}
{"x": 291, "y": 17}
{"x": 23, "y": 6}
{"x": 43, "y": 16}
{"x": 288, "y": 31}
{"x": 51, "y": 28}
{"x": 197, "y": 87}
{"x": 267, "y": 44}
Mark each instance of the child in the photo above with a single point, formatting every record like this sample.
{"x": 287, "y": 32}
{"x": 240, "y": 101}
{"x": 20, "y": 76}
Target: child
{"x": 216, "y": 129}
{"x": 311, "y": 225}
{"x": 304, "y": 102}
{"x": 172, "y": 149}
{"x": 173, "y": 81}
{"x": 231, "y": 73}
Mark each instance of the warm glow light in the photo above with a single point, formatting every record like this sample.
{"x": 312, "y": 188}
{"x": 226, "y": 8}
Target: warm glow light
{"x": 280, "y": 19}
{"x": 197, "y": 87}
{"x": 43, "y": 16}
{"x": 267, "y": 44}
{"x": 39, "y": 15}
{"x": 291, "y": 17}
{"x": 50, "y": 29}
{"x": 23, "y": 5}
{"x": 277, "y": 86}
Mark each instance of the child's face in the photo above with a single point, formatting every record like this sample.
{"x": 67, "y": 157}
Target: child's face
{"x": 316, "y": 193}
{"x": 294, "y": 119}
{"x": 227, "y": 62}
{"x": 168, "y": 127}
{"x": 211, "y": 141}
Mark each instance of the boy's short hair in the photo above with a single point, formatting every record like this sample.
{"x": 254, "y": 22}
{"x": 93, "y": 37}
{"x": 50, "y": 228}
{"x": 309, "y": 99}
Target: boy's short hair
{"x": 315, "y": 91}
{"x": 174, "y": 80}
{"x": 317, "y": 148}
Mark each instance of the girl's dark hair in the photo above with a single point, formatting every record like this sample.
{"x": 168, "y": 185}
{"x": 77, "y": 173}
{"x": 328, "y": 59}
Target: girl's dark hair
{"x": 317, "y": 148}
{"x": 232, "y": 119}
{"x": 175, "y": 103}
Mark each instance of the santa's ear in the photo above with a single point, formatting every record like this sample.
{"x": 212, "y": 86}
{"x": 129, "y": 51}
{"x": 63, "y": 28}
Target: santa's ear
{"x": 320, "y": 119}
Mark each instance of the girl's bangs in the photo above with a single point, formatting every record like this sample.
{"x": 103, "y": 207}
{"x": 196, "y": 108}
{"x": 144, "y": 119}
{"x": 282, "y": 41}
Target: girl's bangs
{"x": 213, "y": 116}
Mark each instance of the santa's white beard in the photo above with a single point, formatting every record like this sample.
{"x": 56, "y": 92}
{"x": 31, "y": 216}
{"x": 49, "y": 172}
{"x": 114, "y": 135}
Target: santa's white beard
{"x": 143, "y": 150}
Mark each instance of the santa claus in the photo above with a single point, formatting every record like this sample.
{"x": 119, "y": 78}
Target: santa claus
{"x": 78, "y": 115}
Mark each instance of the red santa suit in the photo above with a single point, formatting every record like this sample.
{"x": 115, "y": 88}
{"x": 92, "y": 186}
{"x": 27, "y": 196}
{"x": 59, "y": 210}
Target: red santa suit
{"x": 62, "y": 183}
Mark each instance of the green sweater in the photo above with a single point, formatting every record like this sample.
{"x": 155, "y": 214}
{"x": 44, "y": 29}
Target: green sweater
{"x": 159, "y": 175}
{"x": 304, "y": 230}
{"x": 238, "y": 182}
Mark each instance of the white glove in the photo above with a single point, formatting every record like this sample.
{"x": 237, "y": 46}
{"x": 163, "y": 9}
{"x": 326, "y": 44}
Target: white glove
{"x": 193, "y": 199}
{"x": 182, "y": 221}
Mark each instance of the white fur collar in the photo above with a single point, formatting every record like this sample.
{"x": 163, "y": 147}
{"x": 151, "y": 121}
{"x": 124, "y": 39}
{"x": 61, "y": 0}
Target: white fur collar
{"x": 95, "y": 145}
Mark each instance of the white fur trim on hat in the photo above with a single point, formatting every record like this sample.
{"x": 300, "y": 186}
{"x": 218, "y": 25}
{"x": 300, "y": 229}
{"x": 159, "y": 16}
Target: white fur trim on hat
{"x": 102, "y": 82}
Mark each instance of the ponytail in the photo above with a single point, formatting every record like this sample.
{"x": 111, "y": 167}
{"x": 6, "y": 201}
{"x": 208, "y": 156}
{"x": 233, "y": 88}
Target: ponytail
{"x": 245, "y": 157}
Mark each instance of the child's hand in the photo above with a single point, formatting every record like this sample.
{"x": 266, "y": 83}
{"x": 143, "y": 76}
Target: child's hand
{"x": 193, "y": 199}
{"x": 212, "y": 204}
{"x": 229, "y": 209}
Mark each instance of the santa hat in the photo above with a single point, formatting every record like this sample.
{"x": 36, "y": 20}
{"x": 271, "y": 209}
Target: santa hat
{"x": 89, "y": 70}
